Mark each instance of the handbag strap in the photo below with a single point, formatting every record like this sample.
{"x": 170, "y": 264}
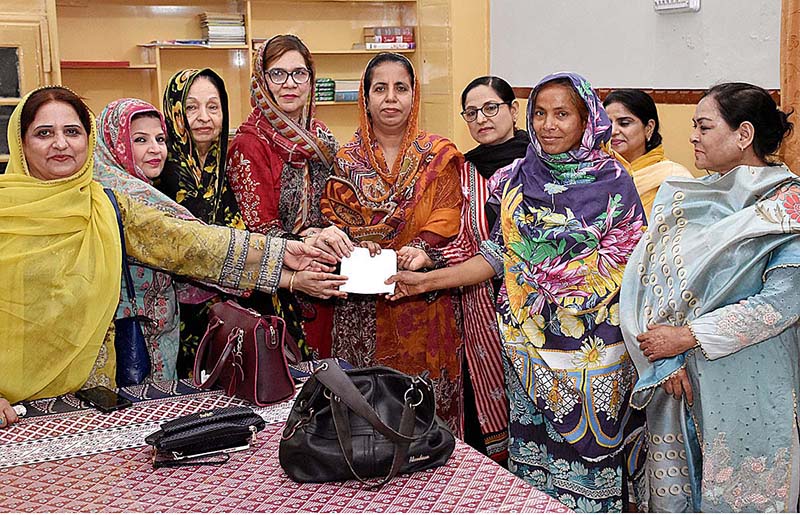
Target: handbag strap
{"x": 344, "y": 434}
{"x": 334, "y": 378}
{"x": 126, "y": 273}
{"x": 202, "y": 349}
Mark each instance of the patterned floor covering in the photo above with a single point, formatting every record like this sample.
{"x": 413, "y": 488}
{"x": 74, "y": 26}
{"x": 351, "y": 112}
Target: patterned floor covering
{"x": 89, "y": 461}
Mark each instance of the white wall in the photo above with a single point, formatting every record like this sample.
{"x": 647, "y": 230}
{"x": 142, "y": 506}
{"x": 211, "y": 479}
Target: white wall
{"x": 625, "y": 43}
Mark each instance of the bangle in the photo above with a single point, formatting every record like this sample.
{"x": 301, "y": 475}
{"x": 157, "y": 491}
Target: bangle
{"x": 291, "y": 282}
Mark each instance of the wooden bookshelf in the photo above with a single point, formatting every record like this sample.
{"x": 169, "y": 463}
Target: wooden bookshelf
{"x": 120, "y": 31}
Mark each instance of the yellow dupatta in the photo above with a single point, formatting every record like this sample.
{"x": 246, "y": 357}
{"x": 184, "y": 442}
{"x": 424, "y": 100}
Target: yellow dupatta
{"x": 649, "y": 171}
{"x": 60, "y": 269}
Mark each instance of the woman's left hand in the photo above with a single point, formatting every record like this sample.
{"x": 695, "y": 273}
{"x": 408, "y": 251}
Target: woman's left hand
{"x": 665, "y": 341}
{"x": 413, "y": 258}
{"x": 300, "y": 256}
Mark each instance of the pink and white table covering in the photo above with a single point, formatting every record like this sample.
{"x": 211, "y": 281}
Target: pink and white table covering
{"x": 88, "y": 461}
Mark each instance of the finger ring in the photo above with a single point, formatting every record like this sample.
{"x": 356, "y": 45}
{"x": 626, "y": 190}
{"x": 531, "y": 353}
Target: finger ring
{"x": 2, "y": 421}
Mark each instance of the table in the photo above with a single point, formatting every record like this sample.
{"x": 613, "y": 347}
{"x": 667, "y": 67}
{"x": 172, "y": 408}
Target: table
{"x": 85, "y": 460}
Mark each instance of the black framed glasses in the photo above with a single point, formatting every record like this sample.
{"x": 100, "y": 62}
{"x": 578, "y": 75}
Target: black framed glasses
{"x": 279, "y": 76}
{"x": 488, "y": 109}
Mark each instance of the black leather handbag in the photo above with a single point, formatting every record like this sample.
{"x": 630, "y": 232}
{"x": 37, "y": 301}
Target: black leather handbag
{"x": 130, "y": 347}
{"x": 217, "y": 432}
{"x": 364, "y": 423}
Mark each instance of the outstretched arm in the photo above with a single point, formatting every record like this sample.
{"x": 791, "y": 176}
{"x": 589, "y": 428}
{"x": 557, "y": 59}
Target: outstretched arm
{"x": 472, "y": 271}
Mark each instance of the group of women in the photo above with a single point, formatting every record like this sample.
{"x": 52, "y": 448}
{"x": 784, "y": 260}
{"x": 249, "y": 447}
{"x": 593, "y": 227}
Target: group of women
{"x": 614, "y": 334}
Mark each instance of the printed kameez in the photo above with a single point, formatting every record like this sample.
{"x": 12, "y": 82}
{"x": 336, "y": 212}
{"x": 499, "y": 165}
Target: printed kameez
{"x": 277, "y": 167}
{"x": 414, "y": 201}
{"x": 61, "y": 262}
{"x": 202, "y": 188}
{"x": 483, "y": 364}
{"x": 156, "y": 303}
{"x": 567, "y": 224}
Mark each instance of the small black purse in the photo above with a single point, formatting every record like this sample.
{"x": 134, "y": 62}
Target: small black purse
{"x": 210, "y": 433}
{"x": 364, "y": 423}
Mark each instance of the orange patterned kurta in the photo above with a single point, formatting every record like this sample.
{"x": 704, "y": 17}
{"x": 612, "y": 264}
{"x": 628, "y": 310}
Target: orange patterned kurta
{"x": 418, "y": 203}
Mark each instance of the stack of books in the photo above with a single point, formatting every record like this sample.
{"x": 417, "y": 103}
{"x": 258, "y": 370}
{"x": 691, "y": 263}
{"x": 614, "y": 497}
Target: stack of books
{"x": 346, "y": 90}
{"x": 389, "y": 38}
{"x": 222, "y": 29}
{"x": 324, "y": 89}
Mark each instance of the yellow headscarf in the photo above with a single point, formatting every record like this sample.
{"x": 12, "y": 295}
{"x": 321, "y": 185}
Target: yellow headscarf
{"x": 60, "y": 266}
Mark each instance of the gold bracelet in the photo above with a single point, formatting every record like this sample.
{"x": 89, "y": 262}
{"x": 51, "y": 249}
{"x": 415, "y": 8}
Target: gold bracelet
{"x": 291, "y": 281}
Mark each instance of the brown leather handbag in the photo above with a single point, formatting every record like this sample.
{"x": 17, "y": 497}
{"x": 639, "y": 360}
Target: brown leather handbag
{"x": 243, "y": 353}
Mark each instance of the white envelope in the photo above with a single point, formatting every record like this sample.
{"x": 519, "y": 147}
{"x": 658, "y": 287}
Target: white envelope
{"x": 366, "y": 274}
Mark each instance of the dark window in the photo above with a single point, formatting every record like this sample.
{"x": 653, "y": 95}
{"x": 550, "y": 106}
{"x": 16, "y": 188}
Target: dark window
{"x": 9, "y": 72}
{"x": 5, "y": 114}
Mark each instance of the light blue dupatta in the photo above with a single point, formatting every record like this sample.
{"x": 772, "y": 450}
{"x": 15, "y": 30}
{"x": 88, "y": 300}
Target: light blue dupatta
{"x": 710, "y": 244}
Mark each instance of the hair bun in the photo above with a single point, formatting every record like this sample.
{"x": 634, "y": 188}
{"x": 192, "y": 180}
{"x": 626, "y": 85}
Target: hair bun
{"x": 787, "y": 127}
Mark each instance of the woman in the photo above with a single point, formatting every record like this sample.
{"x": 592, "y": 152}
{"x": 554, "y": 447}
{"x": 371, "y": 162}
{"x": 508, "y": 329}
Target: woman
{"x": 131, "y": 152}
{"x": 636, "y": 138}
{"x": 60, "y": 253}
{"x": 711, "y": 298}
{"x": 490, "y": 109}
{"x": 569, "y": 217}
{"x": 196, "y": 111}
{"x": 278, "y": 163}
{"x": 397, "y": 187}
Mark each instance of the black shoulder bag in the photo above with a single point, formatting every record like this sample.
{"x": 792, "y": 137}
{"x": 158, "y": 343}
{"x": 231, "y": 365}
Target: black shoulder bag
{"x": 364, "y": 423}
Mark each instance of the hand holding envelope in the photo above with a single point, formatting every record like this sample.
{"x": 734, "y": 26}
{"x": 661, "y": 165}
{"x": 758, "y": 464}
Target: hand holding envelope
{"x": 366, "y": 274}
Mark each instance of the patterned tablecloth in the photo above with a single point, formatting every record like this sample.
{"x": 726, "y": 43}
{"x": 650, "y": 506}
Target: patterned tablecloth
{"x": 89, "y": 461}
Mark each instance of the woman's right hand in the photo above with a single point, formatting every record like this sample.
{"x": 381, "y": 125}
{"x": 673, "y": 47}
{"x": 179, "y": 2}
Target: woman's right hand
{"x": 407, "y": 284}
{"x": 7, "y": 414}
{"x": 333, "y": 241}
{"x": 679, "y": 384}
{"x": 320, "y": 284}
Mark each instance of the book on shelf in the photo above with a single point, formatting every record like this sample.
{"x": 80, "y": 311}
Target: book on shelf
{"x": 345, "y": 96}
{"x": 389, "y": 38}
{"x": 346, "y": 90}
{"x": 387, "y": 46}
{"x": 396, "y": 30}
{"x": 222, "y": 28}
{"x": 176, "y": 42}
{"x": 400, "y": 38}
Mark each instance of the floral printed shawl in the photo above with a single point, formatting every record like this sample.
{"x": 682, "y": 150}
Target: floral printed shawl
{"x": 208, "y": 198}
{"x": 114, "y": 163}
{"x": 568, "y": 224}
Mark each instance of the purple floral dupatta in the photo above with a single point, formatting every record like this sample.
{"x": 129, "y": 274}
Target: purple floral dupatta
{"x": 567, "y": 225}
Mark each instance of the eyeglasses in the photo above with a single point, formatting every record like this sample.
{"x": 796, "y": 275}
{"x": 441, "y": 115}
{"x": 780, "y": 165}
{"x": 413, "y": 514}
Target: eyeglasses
{"x": 488, "y": 109}
{"x": 279, "y": 76}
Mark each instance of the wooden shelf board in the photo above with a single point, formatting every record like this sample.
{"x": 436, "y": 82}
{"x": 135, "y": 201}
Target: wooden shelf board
{"x": 354, "y": 52}
{"x": 195, "y": 47}
{"x": 9, "y": 101}
{"x": 100, "y": 65}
